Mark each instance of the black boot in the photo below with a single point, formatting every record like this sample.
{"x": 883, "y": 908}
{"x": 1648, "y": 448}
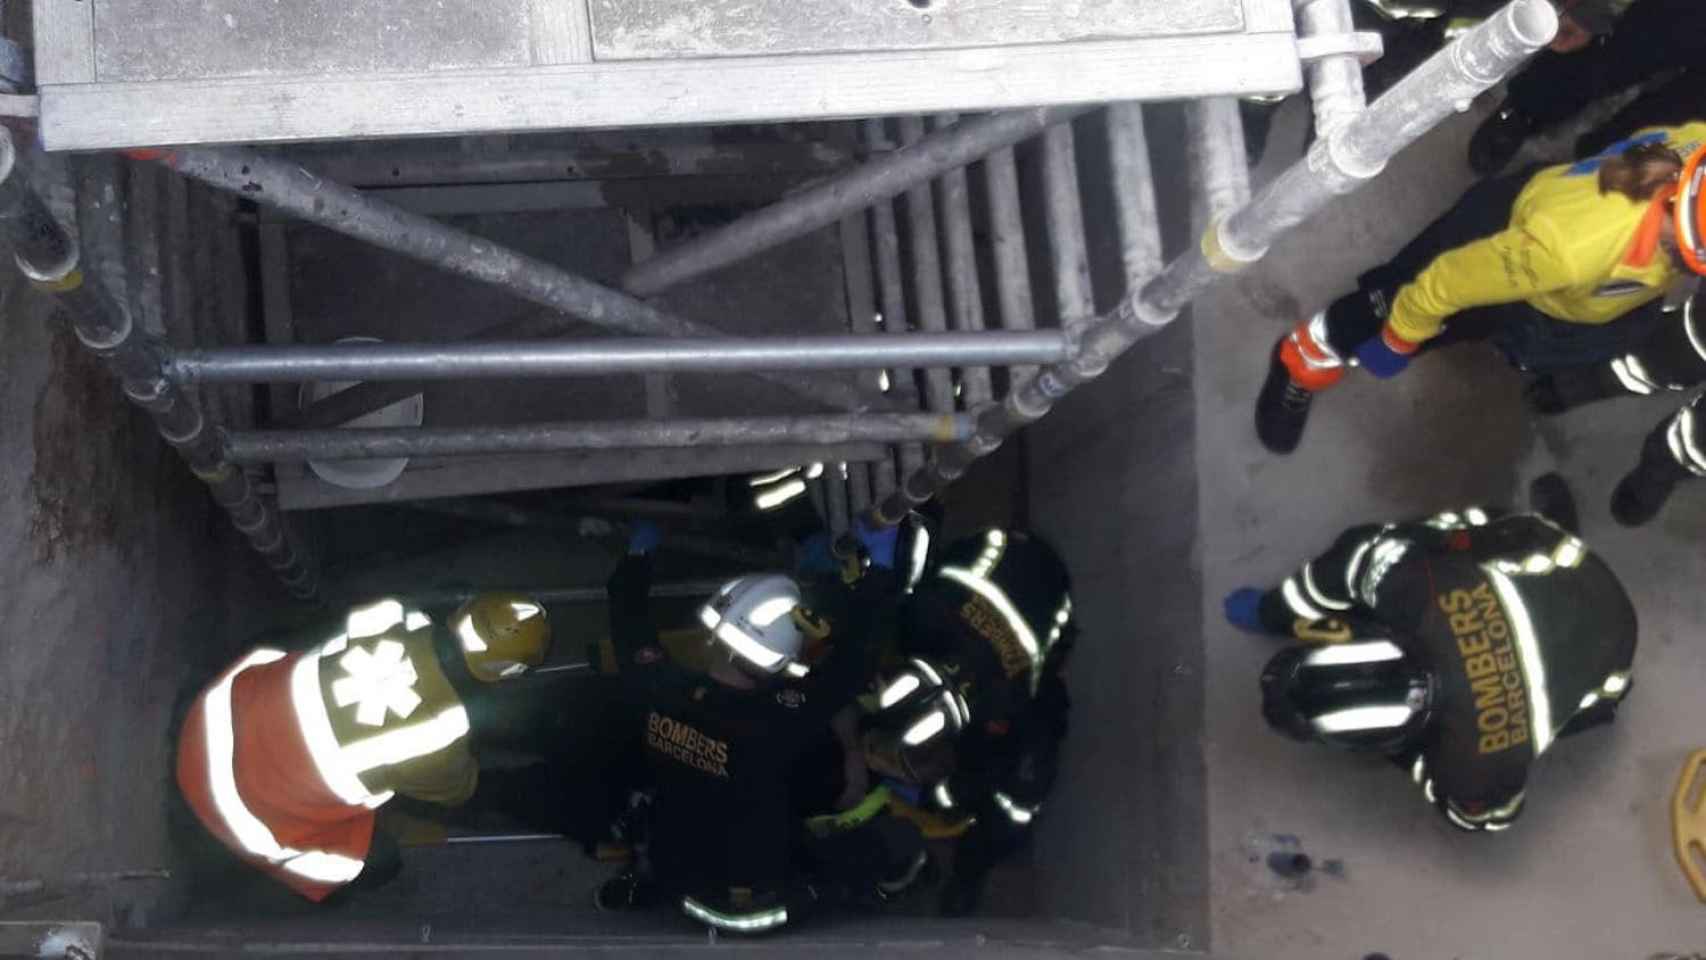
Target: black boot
{"x": 1642, "y": 494}
{"x": 1550, "y": 497}
{"x": 1282, "y": 408}
{"x": 1498, "y": 139}
{"x": 1553, "y": 393}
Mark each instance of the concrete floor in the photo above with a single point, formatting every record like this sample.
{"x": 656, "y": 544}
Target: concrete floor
{"x": 1587, "y": 871}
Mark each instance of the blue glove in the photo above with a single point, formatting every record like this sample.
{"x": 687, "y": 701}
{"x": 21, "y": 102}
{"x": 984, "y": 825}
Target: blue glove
{"x": 879, "y": 542}
{"x": 644, "y": 537}
{"x": 1244, "y": 609}
{"x": 1378, "y": 358}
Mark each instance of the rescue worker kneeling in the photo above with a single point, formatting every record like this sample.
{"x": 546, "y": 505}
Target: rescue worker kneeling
{"x": 721, "y": 745}
{"x": 286, "y": 757}
{"x": 1461, "y": 647}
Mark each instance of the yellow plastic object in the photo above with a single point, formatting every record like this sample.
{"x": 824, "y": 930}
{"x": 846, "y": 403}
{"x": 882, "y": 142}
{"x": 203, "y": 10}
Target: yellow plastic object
{"x": 1689, "y": 822}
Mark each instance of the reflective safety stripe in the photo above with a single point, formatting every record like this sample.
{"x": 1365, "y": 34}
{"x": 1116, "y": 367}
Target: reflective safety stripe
{"x": 1353, "y": 719}
{"x": 737, "y": 640}
{"x": 1418, "y": 770}
{"x": 1631, "y": 375}
{"x": 1062, "y": 617}
{"x": 766, "y": 479}
{"x": 920, "y": 556}
{"x": 771, "y": 610}
{"x": 323, "y": 747}
{"x": 1568, "y": 554}
{"x": 1016, "y": 812}
{"x": 777, "y": 496}
{"x": 1315, "y": 593}
{"x": 1476, "y": 516}
{"x": 1528, "y": 653}
{"x": 1386, "y": 555}
{"x": 251, "y": 834}
{"x": 1615, "y": 684}
{"x": 899, "y": 690}
{"x": 994, "y": 545}
{"x": 906, "y": 879}
{"x": 402, "y": 744}
{"x": 1694, "y": 337}
{"x": 944, "y": 798}
{"x": 1458, "y": 821}
{"x": 1683, "y": 447}
{"x": 1345, "y": 654}
{"x": 924, "y": 729}
{"x": 1508, "y": 809}
{"x": 738, "y": 922}
{"x": 1294, "y": 600}
{"x": 416, "y": 620}
{"x": 374, "y": 619}
{"x": 1588, "y": 700}
{"x": 1496, "y": 827}
{"x": 1428, "y": 790}
{"x": 997, "y": 597}
{"x": 1444, "y": 521}
{"x": 1352, "y": 569}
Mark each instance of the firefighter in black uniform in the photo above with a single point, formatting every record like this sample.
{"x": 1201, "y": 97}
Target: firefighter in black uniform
{"x": 1460, "y": 646}
{"x": 1673, "y": 360}
{"x": 994, "y": 612}
{"x": 1632, "y": 43}
{"x": 720, "y": 745}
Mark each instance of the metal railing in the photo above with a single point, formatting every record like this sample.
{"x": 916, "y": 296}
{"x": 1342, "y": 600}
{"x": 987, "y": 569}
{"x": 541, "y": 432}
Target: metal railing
{"x": 905, "y": 217}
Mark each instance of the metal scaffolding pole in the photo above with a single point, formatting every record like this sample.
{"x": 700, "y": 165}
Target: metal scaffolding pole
{"x": 1335, "y": 73}
{"x": 835, "y": 498}
{"x": 929, "y": 303}
{"x": 269, "y": 446}
{"x": 965, "y": 297}
{"x": 566, "y": 595}
{"x": 1064, "y": 208}
{"x": 874, "y": 182}
{"x": 581, "y": 358}
{"x": 1334, "y": 165}
{"x": 891, "y": 289}
{"x": 1134, "y": 200}
{"x": 1007, "y": 241}
{"x": 1214, "y": 136}
{"x": 51, "y": 259}
{"x": 334, "y": 206}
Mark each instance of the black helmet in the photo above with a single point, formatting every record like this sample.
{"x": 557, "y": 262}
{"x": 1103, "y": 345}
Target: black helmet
{"x": 1363, "y": 695}
{"x": 919, "y": 716}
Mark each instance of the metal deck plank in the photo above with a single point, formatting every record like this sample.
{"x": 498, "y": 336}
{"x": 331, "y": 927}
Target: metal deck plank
{"x": 734, "y": 90}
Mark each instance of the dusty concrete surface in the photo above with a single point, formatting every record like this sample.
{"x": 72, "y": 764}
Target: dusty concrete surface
{"x": 119, "y": 578}
{"x": 1587, "y": 871}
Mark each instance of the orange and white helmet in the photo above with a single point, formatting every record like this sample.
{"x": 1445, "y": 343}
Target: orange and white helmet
{"x": 1691, "y": 212}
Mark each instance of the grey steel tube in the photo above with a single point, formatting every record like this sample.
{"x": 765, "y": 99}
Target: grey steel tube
{"x": 891, "y": 290}
{"x": 873, "y": 182}
{"x": 930, "y": 308}
{"x": 1012, "y": 259}
{"x": 105, "y": 327}
{"x": 568, "y": 595}
{"x": 1064, "y": 208}
{"x": 1335, "y": 83}
{"x": 1334, "y": 165}
{"x": 270, "y": 446}
{"x": 1214, "y": 133}
{"x": 835, "y": 498}
{"x": 580, "y": 358}
{"x": 1134, "y": 194}
{"x": 965, "y": 296}
{"x": 334, "y": 206}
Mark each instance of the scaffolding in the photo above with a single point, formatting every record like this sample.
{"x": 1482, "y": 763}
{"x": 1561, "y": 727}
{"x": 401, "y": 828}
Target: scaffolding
{"x": 904, "y": 217}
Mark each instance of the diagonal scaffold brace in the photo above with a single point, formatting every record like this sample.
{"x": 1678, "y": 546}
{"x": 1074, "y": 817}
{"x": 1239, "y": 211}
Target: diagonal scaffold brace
{"x": 47, "y": 254}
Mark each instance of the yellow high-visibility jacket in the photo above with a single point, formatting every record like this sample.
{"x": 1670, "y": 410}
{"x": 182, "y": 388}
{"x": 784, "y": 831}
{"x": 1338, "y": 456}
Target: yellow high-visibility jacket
{"x": 1571, "y": 252}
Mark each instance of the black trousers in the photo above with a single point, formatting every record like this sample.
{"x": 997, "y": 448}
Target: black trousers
{"x": 1652, "y": 38}
{"x": 1484, "y": 210}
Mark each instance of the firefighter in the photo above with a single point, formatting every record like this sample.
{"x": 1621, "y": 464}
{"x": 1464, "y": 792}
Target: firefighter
{"x": 1604, "y": 47}
{"x": 1460, "y": 647}
{"x": 1673, "y": 360}
{"x": 285, "y": 758}
{"x": 721, "y": 744}
{"x": 1525, "y": 260}
{"x": 994, "y": 613}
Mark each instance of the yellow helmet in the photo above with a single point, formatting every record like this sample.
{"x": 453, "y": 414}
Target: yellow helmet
{"x": 502, "y": 635}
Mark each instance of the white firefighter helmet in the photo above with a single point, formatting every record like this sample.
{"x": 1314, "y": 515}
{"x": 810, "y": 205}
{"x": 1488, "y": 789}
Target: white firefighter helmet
{"x": 752, "y": 617}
